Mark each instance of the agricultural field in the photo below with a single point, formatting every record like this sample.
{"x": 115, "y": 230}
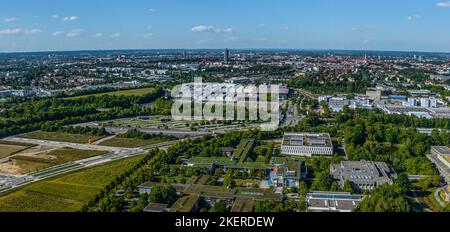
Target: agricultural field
{"x": 61, "y": 137}
{"x": 131, "y": 92}
{"x": 9, "y": 148}
{"x": 55, "y": 157}
{"x": 131, "y": 143}
{"x": 67, "y": 193}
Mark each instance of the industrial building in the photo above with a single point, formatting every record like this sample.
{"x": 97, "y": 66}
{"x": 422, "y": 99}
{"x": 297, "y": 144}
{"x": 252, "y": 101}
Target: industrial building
{"x": 307, "y": 144}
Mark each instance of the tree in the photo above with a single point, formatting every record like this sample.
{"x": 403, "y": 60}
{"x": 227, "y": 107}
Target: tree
{"x": 348, "y": 187}
{"x": 163, "y": 194}
{"x": 323, "y": 182}
{"x": 220, "y": 206}
{"x": 228, "y": 180}
{"x": 403, "y": 183}
{"x": 385, "y": 198}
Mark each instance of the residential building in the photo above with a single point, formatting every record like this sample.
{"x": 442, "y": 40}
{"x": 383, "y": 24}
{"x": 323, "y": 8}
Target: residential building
{"x": 365, "y": 175}
{"x": 332, "y": 201}
{"x": 307, "y": 144}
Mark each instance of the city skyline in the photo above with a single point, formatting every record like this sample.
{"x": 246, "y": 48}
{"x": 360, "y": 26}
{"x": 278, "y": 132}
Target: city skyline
{"x": 26, "y": 26}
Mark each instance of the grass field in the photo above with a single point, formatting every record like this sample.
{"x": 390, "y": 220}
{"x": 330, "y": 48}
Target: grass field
{"x": 61, "y": 137}
{"x": 131, "y": 92}
{"x": 64, "y": 155}
{"x": 130, "y": 143}
{"x": 9, "y": 148}
{"x": 67, "y": 193}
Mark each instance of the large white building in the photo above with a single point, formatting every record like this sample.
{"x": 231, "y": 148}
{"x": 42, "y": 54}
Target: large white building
{"x": 307, "y": 144}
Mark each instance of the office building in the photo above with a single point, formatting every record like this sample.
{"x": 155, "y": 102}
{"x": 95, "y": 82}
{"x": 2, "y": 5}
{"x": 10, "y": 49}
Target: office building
{"x": 307, "y": 144}
{"x": 226, "y": 55}
{"x": 365, "y": 175}
{"x": 440, "y": 156}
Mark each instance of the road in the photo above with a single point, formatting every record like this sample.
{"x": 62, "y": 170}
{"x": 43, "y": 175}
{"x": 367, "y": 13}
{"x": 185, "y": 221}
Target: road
{"x": 307, "y": 93}
{"x": 438, "y": 198}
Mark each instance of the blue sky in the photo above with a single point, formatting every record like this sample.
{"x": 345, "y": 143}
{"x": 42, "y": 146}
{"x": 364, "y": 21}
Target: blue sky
{"x": 401, "y": 25}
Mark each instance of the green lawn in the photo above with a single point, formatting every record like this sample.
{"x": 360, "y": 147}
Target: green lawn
{"x": 131, "y": 143}
{"x": 67, "y": 193}
{"x": 61, "y": 137}
{"x": 131, "y": 92}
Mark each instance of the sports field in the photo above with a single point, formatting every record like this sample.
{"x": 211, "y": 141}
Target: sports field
{"x": 131, "y": 92}
{"x": 66, "y": 193}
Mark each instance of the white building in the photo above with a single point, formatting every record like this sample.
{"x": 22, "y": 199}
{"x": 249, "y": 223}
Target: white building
{"x": 307, "y": 144}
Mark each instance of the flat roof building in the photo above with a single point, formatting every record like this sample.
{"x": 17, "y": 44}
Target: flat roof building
{"x": 366, "y": 175}
{"x": 307, "y": 144}
{"x": 155, "y": 208}
{"x": 440, "y": 156}
{"x": 332, "y": 201}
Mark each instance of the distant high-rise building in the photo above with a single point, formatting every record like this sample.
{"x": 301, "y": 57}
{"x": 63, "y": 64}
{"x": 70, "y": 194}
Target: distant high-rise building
{"x": 226, "y": 55}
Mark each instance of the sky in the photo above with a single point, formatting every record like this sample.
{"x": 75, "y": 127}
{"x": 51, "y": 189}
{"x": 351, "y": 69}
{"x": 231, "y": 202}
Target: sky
{"x": 61, "y": 25}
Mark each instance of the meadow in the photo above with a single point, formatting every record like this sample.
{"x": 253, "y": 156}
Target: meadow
{"x": 61, "y": 137}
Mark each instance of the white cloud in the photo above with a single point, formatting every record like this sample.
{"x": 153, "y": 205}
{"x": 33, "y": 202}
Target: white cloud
{"x": 19, "y": 31}
{"x": 261, "y": 25}
{"x": 286, "y": 28}
{"x": 443, "y": 4}
{"x": 366, "y": 41}
{"x": 148, "y": 35}
{"x": 115, "y": 35}
{"x": 74, "y": 33}
{"x": 55, "y": 16}
{"x": 9, "y": 20}
{"x": 413, "y": 17}
{"x": 151, "y": 10}
{"x": 98, "y": 35}
{"x": 57, "y": 33}
{"x": 231, "y": 39}
{"x": 211, "y": 29}
{"x": 69, "y": 18}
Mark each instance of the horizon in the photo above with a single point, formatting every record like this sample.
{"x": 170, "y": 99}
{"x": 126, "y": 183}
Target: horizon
{"x": 229, "y": 48}
{"x": 49, "y": 26}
